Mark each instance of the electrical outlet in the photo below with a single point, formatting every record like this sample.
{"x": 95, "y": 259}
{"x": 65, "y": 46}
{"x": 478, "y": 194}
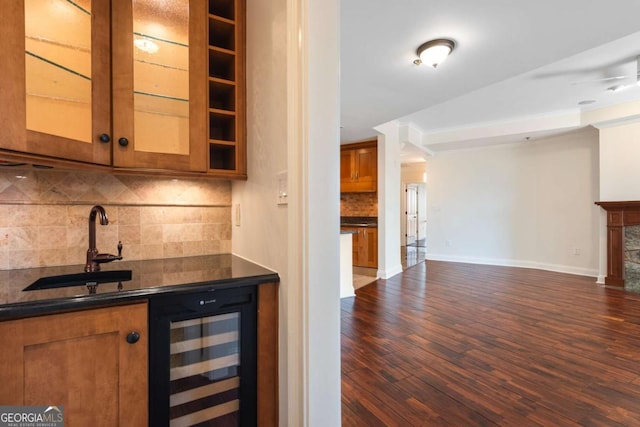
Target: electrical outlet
{"x": 237, "y": 214}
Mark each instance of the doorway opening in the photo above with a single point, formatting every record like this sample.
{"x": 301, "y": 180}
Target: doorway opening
{"x": 413, "y": 250}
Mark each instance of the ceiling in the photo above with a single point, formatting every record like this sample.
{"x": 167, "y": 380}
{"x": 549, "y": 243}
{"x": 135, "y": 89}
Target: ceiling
{"x": 518, "y": 71}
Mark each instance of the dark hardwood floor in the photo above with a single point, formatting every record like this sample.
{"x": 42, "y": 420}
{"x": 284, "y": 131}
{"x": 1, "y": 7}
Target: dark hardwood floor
{"x": 447, "y": 344}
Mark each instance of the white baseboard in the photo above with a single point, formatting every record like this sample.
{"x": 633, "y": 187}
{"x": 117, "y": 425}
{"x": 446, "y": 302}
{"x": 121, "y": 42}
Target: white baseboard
{"x": 388, "y": 273}
{"x": 569, "y": 269}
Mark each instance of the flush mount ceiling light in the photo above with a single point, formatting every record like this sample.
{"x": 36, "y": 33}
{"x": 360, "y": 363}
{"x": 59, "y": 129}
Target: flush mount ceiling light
{"x": 434, "y": 52}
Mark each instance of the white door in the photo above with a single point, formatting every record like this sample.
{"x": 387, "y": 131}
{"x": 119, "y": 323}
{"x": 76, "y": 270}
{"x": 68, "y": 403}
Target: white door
{"x": 412, "y": 213}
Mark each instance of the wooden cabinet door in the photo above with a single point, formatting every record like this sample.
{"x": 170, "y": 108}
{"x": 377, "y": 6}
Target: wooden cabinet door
{"x": 365, "y": 246}
{"x": 366, "y": 169}
{"x": 160, "y": 84}
{"x": 347, "y": 174}
{"x": 355, "y": 247}
{"x": 359, "y": 168}
{"x": 82, "y": 361}
{"x": 55, "y": 86}
{"x": 369, "y": 248}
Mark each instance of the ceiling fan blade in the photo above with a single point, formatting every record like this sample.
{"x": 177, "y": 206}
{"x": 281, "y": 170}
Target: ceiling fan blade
{"x": 606, "y": 79}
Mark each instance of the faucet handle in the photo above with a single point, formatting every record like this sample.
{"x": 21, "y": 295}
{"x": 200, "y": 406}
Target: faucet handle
{"x": 120, "y": 248}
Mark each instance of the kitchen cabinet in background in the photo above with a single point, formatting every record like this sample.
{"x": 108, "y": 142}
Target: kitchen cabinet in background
{"x": 81, "y": 360}
{"x": 359, "y": 167}
{"x": 369, "y": 248}
{"x": 365, "y": 246}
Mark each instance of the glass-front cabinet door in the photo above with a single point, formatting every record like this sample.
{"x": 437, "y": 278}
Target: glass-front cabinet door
{"x": 159, "y": 84}
{"x": 56, "y": 79}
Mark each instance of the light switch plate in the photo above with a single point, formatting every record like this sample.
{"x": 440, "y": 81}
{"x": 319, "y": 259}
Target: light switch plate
{"x": 283, "y": 197}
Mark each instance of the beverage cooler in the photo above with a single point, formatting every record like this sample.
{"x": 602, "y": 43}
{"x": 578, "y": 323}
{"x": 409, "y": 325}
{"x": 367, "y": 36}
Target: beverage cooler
{"x": 202, "y": 367}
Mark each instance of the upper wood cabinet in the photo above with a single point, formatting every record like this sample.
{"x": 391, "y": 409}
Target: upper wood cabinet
{"x": 133, "y": 85}
{"x": 359, "y": 168}
{"x": 86, "y": 361}
{"x": 226, "y": 91}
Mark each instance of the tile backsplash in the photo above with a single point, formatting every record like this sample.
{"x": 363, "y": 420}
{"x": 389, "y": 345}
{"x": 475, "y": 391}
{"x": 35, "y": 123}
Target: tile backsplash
{"x": 359, "y": 204}
{"x": 44, "y": 216}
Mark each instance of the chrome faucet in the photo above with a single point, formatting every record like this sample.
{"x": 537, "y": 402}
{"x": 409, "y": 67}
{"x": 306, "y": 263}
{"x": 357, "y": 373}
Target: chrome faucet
{"x": 94, "y": 259}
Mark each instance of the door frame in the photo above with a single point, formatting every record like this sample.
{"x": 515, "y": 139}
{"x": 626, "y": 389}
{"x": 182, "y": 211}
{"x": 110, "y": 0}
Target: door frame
{"x": 422, "y": 192}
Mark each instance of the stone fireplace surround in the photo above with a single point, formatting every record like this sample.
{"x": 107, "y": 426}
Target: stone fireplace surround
{"x": 619, "y": 215}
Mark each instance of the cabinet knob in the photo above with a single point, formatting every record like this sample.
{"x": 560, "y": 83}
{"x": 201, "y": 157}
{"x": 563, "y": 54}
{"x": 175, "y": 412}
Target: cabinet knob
{"x": 105, "y": 138}
{"x": 133, "y": 337}
{"x": 123, "y": 142}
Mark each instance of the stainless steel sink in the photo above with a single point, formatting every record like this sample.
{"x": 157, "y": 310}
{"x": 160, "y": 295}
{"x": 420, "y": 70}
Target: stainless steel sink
{"x": 91, "y": 278}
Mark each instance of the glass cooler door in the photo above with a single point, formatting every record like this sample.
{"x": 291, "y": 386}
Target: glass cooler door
{"x": 203, "y": 359}
{"x": 204, "y": 371}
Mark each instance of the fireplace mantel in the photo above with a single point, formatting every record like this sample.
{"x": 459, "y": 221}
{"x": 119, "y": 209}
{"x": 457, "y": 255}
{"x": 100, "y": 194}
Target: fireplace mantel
{"x": 619, "y": 215}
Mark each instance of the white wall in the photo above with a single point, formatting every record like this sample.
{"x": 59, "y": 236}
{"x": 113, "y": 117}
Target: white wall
{"x": 293, "y": 110}
{"x": 389, "y": 242}
{"x": 413, "y": 172}
{"x": 263, "y": 231}
{"x": 620, "y": 162}
{"x": 528, "y": 204}
{"x": 322, "y": 211}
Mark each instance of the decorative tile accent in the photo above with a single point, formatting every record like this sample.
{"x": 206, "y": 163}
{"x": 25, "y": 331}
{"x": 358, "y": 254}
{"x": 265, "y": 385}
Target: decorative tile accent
{"x": 44, "y": 216}
{"x": 359, "y": 204}
{"x": 632, "y": 258}
{"x": 37, "y": 186}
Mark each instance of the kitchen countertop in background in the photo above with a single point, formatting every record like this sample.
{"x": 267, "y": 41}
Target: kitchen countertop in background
{"x": 358, "y": 221}
{"x": 149, "y": 277}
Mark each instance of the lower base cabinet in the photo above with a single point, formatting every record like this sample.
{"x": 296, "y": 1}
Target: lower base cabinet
{"x": 93, "y": 363}
{"x": 365, "y": 246}
{"x": 369, "y": 248}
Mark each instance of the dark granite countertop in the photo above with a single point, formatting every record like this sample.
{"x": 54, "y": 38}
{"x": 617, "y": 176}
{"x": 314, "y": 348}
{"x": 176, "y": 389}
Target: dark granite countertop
{"x": 149, "y": 277}
{"x": 348, "y": 232}
{"x": 358, "y": 221}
